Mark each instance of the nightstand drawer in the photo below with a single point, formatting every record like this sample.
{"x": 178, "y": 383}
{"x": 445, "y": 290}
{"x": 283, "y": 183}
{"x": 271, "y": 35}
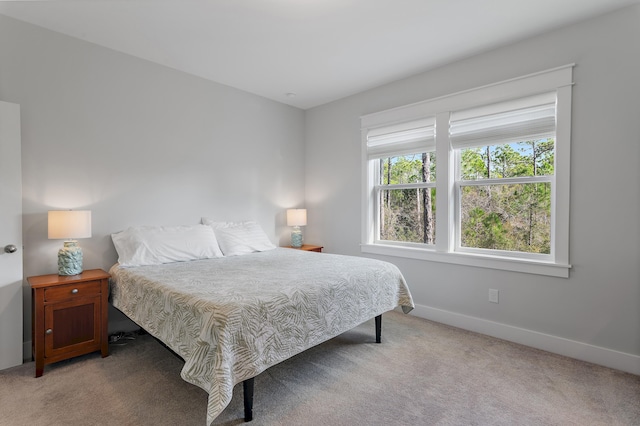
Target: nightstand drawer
{"x": 72, "y": 291}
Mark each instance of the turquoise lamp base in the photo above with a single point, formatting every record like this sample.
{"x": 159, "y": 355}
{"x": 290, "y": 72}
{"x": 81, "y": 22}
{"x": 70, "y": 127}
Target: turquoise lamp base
{"x": 296, "y": 237}
{"x": 70, "y": 259}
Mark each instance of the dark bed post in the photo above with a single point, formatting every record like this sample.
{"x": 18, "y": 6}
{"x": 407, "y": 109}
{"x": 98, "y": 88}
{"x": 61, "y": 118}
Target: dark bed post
{"x": 247, "y": 387}
{"x": 378, "y": 328}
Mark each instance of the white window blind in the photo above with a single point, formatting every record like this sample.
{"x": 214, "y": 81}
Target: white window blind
{"x": 512, "y": 121}
{"x": 399, "y": 139}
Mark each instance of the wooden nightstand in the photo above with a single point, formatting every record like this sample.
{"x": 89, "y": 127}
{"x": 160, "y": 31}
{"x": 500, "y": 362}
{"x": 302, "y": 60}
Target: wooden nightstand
{"x": 308, "y": 247}
{"x": 69, "y": 316}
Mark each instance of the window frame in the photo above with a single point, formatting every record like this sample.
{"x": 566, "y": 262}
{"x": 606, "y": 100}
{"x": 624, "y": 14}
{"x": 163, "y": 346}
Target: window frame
{"x": 447, "y": 246}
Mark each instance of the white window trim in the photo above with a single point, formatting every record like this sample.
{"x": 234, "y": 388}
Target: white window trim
{"x": 557, "y": 264}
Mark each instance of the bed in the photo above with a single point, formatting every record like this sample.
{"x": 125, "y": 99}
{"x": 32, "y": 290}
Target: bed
{"x": 230, "y": 318}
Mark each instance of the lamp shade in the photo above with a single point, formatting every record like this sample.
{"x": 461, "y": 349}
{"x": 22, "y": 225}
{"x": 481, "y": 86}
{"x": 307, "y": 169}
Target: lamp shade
{"x": 69, "y": 224}
{"x": 296, "y": 217}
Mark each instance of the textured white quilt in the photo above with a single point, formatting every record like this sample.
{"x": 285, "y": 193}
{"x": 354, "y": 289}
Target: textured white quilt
{"x": 231, "y": 318}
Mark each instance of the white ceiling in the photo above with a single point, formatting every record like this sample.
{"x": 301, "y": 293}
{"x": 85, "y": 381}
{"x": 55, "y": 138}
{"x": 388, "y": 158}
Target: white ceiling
{"x": 319, "y": 50}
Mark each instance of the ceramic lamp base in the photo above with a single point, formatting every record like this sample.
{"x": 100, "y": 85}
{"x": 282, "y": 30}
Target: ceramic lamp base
{"x": 70, "y": 259}
{"x": 296, "y": 237}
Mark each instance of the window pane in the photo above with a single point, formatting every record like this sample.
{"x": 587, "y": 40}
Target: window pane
{"x": 507, "y": 217}
{"x": 408, "y": 215}
{"x": 412, "y": 168}
{"x": 528, "y": 158}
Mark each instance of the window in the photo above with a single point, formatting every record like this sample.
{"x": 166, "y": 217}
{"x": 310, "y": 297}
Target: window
{"x": 403, "y": 159}
{"x": 501, "y": 153}
{"x": 504, "y": 175}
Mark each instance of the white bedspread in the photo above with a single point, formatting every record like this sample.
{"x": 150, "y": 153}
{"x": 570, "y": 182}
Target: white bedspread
{"x": 231, "y": 318}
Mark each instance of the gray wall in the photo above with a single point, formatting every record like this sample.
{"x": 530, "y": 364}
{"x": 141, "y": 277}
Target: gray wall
{"x": 599, "y": 305}
{"x": 137, "y": 143}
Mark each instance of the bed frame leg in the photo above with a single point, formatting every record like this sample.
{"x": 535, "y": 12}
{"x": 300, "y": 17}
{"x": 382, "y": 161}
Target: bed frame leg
{"x": 378, "y": 328}
{"x": 247, "y": 387}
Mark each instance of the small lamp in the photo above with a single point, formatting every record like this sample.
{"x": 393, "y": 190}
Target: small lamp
{"x": 296, "y": 218}
{"x": 69, "y": 225}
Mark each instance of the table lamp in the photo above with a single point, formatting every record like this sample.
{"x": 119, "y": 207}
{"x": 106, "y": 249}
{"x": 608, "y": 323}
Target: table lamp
{"x": 69, "y": 225}
{"x": 296, "y": 218}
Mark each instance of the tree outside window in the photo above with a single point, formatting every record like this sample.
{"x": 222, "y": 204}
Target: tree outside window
{"x": 514, "y": 216}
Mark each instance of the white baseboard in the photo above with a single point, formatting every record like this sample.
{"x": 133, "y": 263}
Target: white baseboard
{"x": 558, "y": 345}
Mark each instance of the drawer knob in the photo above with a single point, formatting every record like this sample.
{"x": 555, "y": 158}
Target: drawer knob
{"x": 49, "y": 331}
{"x": 74, "y": 291}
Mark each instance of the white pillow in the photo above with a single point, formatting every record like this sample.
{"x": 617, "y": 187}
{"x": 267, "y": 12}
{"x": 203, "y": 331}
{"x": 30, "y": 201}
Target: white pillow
{"x": 237, "y": 238}
{"x": 154, "y": 245}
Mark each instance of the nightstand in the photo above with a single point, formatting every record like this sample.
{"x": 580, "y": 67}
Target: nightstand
{"x": 69, "y": 316}
{"x": 308, "y": 247}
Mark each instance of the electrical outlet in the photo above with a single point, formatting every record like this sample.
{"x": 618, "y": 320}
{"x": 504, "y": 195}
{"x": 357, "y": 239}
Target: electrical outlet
{"x": 493, "y": 295}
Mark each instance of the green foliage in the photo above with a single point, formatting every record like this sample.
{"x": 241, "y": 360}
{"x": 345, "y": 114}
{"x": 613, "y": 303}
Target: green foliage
{"x": 514, "y": 217}
{"x": 405, "y": 169}
{"x": 507, "y": 217}
{"x": 473, "y": 166}
{"x": 485, "y": 230}
{"x": 402, "y": 215}
{"x": 403, "y": 211}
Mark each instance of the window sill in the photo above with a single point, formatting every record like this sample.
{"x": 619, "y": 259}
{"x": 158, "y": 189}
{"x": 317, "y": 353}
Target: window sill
{"x": 471, "y": 259}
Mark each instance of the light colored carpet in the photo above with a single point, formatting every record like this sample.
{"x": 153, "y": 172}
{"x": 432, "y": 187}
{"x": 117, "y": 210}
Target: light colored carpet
{"x": 423, "y": 373}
